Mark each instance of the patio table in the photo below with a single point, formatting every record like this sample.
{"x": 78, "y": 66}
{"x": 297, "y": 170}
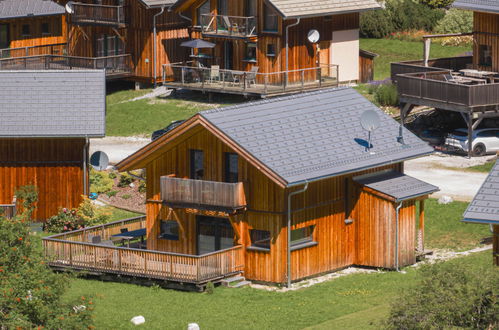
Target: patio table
{"x": 129, "y": 235}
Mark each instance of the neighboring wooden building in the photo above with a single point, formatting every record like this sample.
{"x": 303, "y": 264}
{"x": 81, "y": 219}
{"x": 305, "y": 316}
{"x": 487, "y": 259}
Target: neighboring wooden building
{"x": 47, "y": 118}
{"x": 476, "y": 93}
{"x": 236, "y": 176}
{"x": 484, "y": 209}
{"x": 31, "y": 27}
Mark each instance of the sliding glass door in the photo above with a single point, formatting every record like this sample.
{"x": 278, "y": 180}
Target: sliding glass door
{"x": 213, "y": 234}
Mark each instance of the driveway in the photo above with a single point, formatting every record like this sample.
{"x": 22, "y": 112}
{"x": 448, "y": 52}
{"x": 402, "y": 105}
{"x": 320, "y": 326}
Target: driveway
{"x": 117, "y": 148}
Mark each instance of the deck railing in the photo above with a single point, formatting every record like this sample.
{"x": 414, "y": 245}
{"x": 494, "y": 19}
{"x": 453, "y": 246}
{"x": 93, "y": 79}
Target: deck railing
{"x": 432, "y": 87}
{"x": 90, "y": 14}
{"x": 71, "y": 250}
{"x": 114, "y": 65}
{"x": 53, "y": 49}
{"x": 8, "y": 210}
{"x": 241, "y": 82}
{"x": 203, "y": 193}
{"x": 434, "y": 65}
{"x": 229, "y": 26}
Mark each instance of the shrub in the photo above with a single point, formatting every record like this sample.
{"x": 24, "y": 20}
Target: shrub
{"x": 456, "y": 21}
{"x": 100, "y": 182}
{"x": 437, "y": 3}
{"x": 125, "y": 180}
{"x": 31, "y": 295}
{"x": 210, "y": 288}
{"x": 112, "y": 175}
{"x": 142, "y": 187}
{"x": 385, "y": 93}
{"x": 126, "y": 196}
{"x": 410, "y": 15}
{"x": 27, "y": 196}
{"x": 375, "y": 24}
{"x": 449, "y": 296}
{"x": 92, "y": 214}
{"x": 111, "y": 193}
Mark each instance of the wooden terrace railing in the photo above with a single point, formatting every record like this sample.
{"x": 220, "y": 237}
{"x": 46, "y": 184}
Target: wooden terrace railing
{"x": 53, "y": 49}
{"x": 8, "y": 210}
{"x": 92, "y": 14}
{"x": 66, "y": 251}
{"x": 203, "y": 193}
{"x": 228, "y": 26}
{"x": 434, "y": 65}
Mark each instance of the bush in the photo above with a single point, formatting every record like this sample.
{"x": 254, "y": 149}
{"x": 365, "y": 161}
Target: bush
{"x": 142, "y": 187}
{"x": 111, "y": 193}
{"x": 31, "y": 295}
{"x": 112, "y": 175}
{"x": 100, "y": 182}
{"x": 375, "y": 24}
{"x": 27, "y": 196}
{"x": 126, "y": 196}
{"x": 449, "y": 296}
{"x": 210, "y": 288}
{"x": 456, "y": 21}
{"x": 385, "y": 93}
{"x": 125, "y": 180}
{"x": 437, "y": 3}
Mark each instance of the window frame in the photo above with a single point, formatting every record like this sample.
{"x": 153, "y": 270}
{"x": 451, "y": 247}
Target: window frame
{"x": 271, "y": 50}
{"x": 227, "y": 162}
{"x": 169, "y": 237}
{"x": 254, "y": 247}
{"x": 29, "y": 30}
{"x": 47, "y": 24}
{"x": 485, "y": 59}
{"x": 249, "y": 45}
{"x": 269, "y": 12}
{"x": 192, "y": 164}
{"x": 304, "y": 242}
{"x": 199, "y": 13}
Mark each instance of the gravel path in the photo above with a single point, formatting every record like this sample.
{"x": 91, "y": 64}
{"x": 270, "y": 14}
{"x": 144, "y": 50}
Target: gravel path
{"x": 117, "y": 148}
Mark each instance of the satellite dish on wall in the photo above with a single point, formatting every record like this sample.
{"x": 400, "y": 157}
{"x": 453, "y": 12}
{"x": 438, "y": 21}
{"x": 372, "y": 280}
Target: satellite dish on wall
{"x": 369, "y": 120}
{"x": 99, "y": 160}
{"x": 313, "y": 36}
{"x": 69, "y": 7}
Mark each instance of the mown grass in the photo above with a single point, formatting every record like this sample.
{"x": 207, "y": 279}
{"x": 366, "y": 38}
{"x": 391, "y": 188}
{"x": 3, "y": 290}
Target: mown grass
{"x": 397, "y": 50}
{"x": 350, "y": 302}
{"x": 483, "y": 168}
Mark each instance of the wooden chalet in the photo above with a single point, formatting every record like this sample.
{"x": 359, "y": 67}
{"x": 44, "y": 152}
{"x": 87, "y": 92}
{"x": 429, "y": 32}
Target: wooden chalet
{"x": 466, "y": 84}
{"x": 31, "y": 27}
{"x": 262, "y": 47}
{"x": 47, "y": 118}
{"x": 484, "y": 209}
{"x": 278, "y": 190}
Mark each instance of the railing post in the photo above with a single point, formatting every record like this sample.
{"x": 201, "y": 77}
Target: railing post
{"x": 244, "y": 81}
{"x": 26, "y": 51}
{"x": 319, "y": 71}
{"x": 183, "y": 73}
{"x": 70, "y": 255}
{"x": 265, "y": 83}
{"x": 119, "y": 259}
{"x": 302, "y": 79}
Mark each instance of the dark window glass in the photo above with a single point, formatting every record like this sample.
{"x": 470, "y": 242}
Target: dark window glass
{"x": 223, "y": 7}
{"x": 231, "y": 167}
{"x": 4, "y": 36}
{"x": 25, "y": 30}
{"x": 250, "y": 52}
{"x": 197, "y": 168}
{"x": 250, "y": 8}
{"x": 302, "y": 235}
{"x": 488, "y": 134}
{"x": 45, "y": 28}
{"x": 204, "y": 9}
{"x": 271, "y": 50}
{"x": 269, "y": 19}
{"x": 485, "y": 55}
{"x": 260, "y": 238}
{"x": 169, "y": 229}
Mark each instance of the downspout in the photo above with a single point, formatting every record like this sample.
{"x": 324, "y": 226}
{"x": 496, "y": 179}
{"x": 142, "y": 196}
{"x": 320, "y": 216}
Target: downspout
{"x": 85, "y": 161}
{"x": 397, "y": 214}
{"x": 287, "y": 46}
{"x": 155, "y": 46}
{"x": 291, "y": 194}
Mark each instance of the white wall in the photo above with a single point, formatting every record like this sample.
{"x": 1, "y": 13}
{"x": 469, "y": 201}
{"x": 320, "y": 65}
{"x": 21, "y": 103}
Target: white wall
{"x": 345, "y": 53}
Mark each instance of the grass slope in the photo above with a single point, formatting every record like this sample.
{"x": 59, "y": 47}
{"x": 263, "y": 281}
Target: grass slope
{"x": 397, "y": 50}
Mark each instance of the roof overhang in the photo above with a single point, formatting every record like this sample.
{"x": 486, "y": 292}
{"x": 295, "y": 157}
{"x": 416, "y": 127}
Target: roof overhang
{"x": 478, "y": 6}
{"x": 481, "y": 221}
{"x": 31, "y": 16}
{"x": 341, "y": 12}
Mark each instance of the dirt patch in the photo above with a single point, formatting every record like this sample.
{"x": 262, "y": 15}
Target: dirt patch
{"x": 128, "y": 198}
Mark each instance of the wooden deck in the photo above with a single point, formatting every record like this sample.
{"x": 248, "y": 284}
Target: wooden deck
{"x": 71, "y": 250}
{"x": 98, "y": 14}
{"x": 434, "y": 65}
{"x": 225, "y": 26}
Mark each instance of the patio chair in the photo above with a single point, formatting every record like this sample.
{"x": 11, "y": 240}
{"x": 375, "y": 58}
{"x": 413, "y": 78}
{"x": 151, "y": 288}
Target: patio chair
{"x": 251, "y": 76}
{"x": 450, "y": 78}
{"x": 230, "y": 27}
{"x": 214, "y": 73}
{"x": 232, "y": 78}
{"x": 96, "y": 239}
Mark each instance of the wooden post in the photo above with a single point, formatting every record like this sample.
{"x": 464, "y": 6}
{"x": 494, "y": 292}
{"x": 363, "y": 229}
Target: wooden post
{"x": 421, "y": 226}
{"x": 495, "y": 249}
{"x": 470, "y": 134}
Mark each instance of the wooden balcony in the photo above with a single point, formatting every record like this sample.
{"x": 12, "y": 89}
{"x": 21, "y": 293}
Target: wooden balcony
{"x": 72, "y": 251}
{"x": 92, "y": 14}
{"x": 8, "y": 210}
{"x": 228, "y": 26}
{"x": 118, "y": 66}
{"x": 53, "y": 49}
{"x": 206, "y": 195}
{"x": 434, "y": 65}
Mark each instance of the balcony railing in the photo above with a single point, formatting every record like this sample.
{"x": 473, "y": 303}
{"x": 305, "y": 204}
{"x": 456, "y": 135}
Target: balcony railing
{"x": 53, "y": 49}
{"x": 203, "y": 194}
{"x": 8, "y": 210}
{"x": 72, "y": 250}
{"x": 89, "y": 14}
{"x": 115, "y": 66}
{"x": 249, "y": 83}
{"x": 438, "y": 64}
{"x": 228, "y": 26}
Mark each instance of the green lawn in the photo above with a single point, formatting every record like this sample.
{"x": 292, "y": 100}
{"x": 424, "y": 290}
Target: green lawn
{"x": 484, "y": 168}
{"x": 119, "y": 214}
{"x": 350, "y": 302}
{"x": 396, "y": 51}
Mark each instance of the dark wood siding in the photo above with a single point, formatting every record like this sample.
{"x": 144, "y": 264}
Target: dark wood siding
{"x": 57, "y": 28}
{"x": 486, "y": 29}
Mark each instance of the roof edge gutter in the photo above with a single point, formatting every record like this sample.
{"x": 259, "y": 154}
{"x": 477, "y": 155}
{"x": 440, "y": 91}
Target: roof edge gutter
{"x": 155, "y": 43}
{"x": 481, "y": 221}
{"x": 332, "y": 13}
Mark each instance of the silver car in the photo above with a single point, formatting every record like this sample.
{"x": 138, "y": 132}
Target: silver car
{"x": 485, "y": 140}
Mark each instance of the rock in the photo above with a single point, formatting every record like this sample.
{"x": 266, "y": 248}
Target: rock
{"x": 445, "y": 200}
{"x": 138, "y": 320}
{"x": 132, "y": 185}
{"x": 193, "y": 326}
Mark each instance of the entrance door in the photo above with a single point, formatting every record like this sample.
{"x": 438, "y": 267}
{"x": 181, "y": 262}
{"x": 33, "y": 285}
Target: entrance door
{"x": 213, "y": 234}
{"x": 228, "y": 59}
{"x": 4, "y": 36}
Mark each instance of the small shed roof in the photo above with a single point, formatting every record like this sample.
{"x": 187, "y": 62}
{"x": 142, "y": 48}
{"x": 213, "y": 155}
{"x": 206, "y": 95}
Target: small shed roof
{"x": 302, "y": 8}
{"x": 29, "y": 8}
{"x": 488, "y": 6}
{"x": 485, "y": 206}
{"x": 52, "y": 103}
{"x": 396, "y": 185}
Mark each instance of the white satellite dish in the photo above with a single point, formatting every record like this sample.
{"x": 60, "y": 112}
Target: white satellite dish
{"x": 313, "y": 36}
{"x": 69, "y": 7}
{"x": 369, "y": 120}
{"x": 99, "y": 160}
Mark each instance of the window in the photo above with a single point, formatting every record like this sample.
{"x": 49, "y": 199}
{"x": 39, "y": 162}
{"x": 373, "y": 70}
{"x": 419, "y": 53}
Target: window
{"x": 45, "y": 27}
{"x": 25, "y": 30}
{"x": 260, "y": 239}
{"x": 250, "y": 55}
{"x": 204, "y": 9}
{"x": 4, "y": 36}
{"x": 197, "y": 168}
{"x": 169, "y": 229}
{"x": 490, "y": 133}
{"x": 269, "y": 19}
{"x": 485, "y": 55}
{"x": 250, "y": 8}
{"x": 223, "y": 7}
{"x": 302, "y": 237}
{"x": 271, "y": 50}
{"x": 231, "y": 167}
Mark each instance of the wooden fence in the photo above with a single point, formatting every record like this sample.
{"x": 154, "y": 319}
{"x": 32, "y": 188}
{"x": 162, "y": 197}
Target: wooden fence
{"x": 8, "y": 210}
{"x": 434, "y": 65}
{"x": 53, "y": 49}
{"x": 84, "y": 13}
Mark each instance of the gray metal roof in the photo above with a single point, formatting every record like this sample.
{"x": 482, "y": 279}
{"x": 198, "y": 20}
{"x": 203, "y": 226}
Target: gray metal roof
{"x": 158, "y": 3}
{"x": 485, "y": 206}
{"x": 52, "y": 103}
{"x": 397, "y": 185}
{"x": 314, "y": 135}
{"x": 488, "y": 6}
{"x": 301, "y": 8}
{"x": 25, "y": 8}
